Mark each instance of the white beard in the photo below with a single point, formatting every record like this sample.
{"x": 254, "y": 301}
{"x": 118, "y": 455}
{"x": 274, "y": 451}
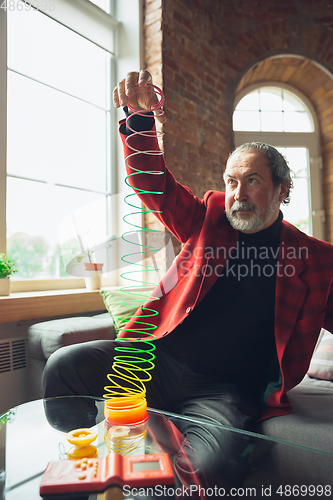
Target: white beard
{"x": 254, "y": 221}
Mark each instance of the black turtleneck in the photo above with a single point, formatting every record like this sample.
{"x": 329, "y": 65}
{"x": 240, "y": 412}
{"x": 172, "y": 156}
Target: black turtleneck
{"x": 229, "y": 335}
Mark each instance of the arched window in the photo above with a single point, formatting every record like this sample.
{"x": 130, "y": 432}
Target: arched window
{"x": 280, "y": 116}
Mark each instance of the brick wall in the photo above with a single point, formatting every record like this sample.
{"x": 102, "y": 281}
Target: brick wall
{"x": 201, "y": 52}
{"x": 198, "y": 134}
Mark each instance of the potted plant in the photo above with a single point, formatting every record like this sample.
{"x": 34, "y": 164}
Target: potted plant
{"x": 7, "y": 268}
{"x": 93, "y": 269}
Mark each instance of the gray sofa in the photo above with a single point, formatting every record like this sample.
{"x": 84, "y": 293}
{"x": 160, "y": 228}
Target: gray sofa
{"x": 295, "y": 460}
{"x": 309, "y": 426}
{"x": 46, "y": 337}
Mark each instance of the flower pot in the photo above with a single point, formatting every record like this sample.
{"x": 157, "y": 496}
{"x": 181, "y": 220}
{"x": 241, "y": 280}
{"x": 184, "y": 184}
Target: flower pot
{"x": 4, "y": 286}
{"x": 91, "y": 266}
{"x": 93, "y": 275}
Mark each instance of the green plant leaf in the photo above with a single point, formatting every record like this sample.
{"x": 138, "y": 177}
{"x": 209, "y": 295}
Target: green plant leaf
{"x": 7, "y": 266}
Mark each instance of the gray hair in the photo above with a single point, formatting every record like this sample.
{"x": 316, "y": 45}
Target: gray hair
{"x": 281, "y": 173}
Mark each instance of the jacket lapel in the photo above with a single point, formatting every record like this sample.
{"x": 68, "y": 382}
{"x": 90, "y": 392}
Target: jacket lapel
{"x": 223, "y": 240}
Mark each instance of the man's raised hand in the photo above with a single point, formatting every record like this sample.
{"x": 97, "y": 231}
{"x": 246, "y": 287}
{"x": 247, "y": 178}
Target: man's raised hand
{"x": 125, "y": 93}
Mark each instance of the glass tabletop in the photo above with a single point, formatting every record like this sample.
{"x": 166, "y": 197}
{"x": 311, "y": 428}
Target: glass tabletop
{"x": 35, "y": 433}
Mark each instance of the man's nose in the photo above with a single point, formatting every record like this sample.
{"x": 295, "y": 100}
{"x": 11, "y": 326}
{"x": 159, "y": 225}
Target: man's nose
{"x": 240, "y": 193}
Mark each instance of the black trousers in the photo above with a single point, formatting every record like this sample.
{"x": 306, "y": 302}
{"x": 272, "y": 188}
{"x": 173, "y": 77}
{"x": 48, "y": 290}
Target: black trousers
{"x": 222, "y": 453}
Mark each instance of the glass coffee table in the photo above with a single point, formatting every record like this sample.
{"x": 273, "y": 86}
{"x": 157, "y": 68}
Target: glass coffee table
{"x": 35, "y": 433}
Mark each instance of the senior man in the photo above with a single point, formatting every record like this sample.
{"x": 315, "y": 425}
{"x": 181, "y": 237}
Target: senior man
{"x": 240, "y": 309}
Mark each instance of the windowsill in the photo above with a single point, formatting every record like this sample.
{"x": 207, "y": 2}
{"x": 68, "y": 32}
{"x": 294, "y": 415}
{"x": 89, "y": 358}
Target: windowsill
{"x": 33, "y": 305}
{"x": 20, "y": 306}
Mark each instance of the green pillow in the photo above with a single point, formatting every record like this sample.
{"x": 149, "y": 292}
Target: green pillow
{"x": 122, "y": 305}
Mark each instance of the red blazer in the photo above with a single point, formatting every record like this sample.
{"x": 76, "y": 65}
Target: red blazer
{"x": 304, "y": 296}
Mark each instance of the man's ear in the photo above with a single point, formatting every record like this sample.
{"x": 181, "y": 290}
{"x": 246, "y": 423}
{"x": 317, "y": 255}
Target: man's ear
{"x": 284, "y": 190}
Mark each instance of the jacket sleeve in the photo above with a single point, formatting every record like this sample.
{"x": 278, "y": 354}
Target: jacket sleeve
{"x": 172, "y": 203}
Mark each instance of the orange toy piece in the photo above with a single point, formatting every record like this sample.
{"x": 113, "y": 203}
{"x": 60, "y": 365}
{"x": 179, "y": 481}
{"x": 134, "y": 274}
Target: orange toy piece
{"x": 126, "y": 410}
{"x": 82, "y": 439}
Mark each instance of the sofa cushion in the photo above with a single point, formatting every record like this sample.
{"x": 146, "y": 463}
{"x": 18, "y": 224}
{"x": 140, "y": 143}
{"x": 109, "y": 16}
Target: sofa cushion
{"x": 321, "y": 366}
{"x": 310, "y": 427}
{"x": 310, "y": 423}
{"x": 46, "y": 337}
{"x": 122, "y": 306}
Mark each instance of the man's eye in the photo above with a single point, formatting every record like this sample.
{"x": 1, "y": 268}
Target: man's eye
{"x": 231, "y": 181}
{"x": 252, "y": 180}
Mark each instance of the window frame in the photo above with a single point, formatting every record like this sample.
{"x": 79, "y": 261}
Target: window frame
{"x": 309, "y": 140}
{"x": 120, "y": 29}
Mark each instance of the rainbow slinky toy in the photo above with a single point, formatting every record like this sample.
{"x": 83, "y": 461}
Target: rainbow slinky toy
{"x": 126, "y": 395}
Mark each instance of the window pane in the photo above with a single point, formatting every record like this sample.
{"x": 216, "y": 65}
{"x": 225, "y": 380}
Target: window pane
{"x": 35, "y": 211}
{"x": 281, "y": 111}
{"x": 250, "y": 102}
{"x": 270, "y": 99}
{"x": 298, "y": 211}
{"x": 61, "y": 139}
{"x": 47, "y": 51}
{"x": 291, "y": 102}
{"x": 296, "y": 121}
{"x": 83, "y": 238}
{"x": 271, "y": 121}
{"x": 246, "y": 120}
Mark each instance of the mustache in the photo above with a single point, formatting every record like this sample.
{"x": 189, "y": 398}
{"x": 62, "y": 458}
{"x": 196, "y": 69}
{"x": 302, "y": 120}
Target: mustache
{"x": 243, "y": 205}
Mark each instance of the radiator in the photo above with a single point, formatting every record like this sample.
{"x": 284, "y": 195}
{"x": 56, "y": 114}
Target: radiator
{"x": 13, "y": 372}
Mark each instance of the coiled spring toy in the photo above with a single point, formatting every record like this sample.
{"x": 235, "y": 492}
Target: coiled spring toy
{"x": 131, "y": 368}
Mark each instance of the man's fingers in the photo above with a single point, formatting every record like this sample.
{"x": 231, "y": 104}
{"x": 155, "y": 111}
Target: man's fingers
{"x": 145, "y": 78}
{"x": 130, "y": 82}
{"x": 122, "y": 93}
{"x": 125, "y": 90}
{"x": 160, "y": 116}
{"x": 116, "y": 102}
{"x": 119, "y": 95}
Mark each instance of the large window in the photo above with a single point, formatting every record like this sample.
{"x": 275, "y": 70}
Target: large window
{"x": 272, "y": 109}
{"x": 60, "y": 171}
{"x": 286, "y": 120}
